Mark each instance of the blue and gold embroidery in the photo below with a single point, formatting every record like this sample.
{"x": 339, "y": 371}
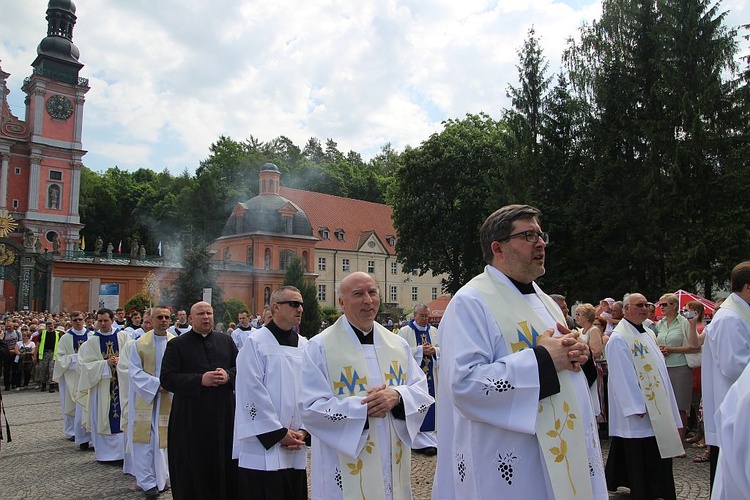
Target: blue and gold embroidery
{"x": 639, "y": 349}
{"x": 527, "y": 336}
{"x": 350, "y": 380}
{"x": 396, "y": 376}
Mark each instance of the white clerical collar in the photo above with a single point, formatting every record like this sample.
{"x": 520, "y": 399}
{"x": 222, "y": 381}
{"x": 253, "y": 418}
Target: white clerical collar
{"x": 421, "y": 328}
{"x": 78, "y": 332}
{"x": 111, "y": 332}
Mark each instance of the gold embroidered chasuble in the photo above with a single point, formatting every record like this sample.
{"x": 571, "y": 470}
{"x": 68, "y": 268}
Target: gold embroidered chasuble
{"x": 90, "y": 359}
{"x": 658, "y": 405}
{"x": 559, "y": 430}
{"x": 145, "y": 346}
{"x": 362, "y": 476}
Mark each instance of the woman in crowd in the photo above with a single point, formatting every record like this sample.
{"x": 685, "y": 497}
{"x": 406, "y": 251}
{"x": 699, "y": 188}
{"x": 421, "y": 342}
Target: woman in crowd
{"x": 672, "y": 337}
{"x": 23, "y": 364}
{"x": 696, "y": 338}
{"x": 585, "y": 317}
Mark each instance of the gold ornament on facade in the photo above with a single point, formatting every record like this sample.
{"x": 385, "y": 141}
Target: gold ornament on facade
{"x": 7, "y": 255}
{"x": 7, "y": 223}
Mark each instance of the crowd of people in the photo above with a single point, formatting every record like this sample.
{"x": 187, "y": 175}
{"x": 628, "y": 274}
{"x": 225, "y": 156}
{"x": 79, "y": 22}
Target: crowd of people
{"x": 511, "y": 392}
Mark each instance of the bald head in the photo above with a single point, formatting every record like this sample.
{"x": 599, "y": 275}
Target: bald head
{"x": 202, "y": 317}
{"x": 635, "y": 308}
{"x": 359, "y": 298}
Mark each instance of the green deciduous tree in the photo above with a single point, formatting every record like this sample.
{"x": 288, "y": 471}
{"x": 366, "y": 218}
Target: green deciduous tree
{"x": 442, "y": 192}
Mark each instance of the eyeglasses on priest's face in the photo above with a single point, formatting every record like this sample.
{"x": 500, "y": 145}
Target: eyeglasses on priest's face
{"x": 530, "y": 235}
{"x": 162, "y": 317}
{"x": 294, "y": 304}
{"x": 641, "y": 305}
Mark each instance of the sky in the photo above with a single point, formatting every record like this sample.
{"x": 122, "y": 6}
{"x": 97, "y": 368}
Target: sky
{"x": 167, "y": 78}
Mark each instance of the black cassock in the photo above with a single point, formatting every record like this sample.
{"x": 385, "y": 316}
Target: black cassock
{"x": 201, "y": 423}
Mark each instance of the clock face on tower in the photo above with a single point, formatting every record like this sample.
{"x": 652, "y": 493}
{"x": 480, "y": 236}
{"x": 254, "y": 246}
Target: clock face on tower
{"x": 59, "y": 107}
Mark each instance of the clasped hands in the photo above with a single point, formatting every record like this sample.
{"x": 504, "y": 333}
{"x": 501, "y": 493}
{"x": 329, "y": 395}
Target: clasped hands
{"x": 428, "y": 349}
{"x": 294, "y": 440}
{"x": 380, "y": 401}
{"x": 215, "y": 378}
{"x": 568, "y": 352}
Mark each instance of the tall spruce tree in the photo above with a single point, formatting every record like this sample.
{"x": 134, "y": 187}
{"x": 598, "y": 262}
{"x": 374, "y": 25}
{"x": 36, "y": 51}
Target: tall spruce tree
{"x": 651, "y": 75}
{"x": 295, "y": 276}
{"x": 195, "y": 275}
{"x": 525, "y": 120}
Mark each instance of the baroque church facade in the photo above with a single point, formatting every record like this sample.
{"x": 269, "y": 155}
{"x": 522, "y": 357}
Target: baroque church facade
{"x": 42, "y": 266}
{"x": 334, "y": 237}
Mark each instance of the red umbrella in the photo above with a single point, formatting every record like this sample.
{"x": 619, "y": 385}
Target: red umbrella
{"x": 437, "y": 308}
{"x": 685, "y": 297}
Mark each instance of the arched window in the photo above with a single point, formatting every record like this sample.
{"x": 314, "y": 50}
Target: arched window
{"x": 267, "y": 259}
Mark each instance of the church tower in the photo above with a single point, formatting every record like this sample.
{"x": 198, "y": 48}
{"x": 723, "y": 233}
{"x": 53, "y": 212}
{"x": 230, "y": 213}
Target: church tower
{"x": 48, "y": 194}
{"x": 40, "y": 164}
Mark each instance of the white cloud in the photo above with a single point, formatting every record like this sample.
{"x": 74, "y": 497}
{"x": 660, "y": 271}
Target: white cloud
{"x": 168, "y": 77}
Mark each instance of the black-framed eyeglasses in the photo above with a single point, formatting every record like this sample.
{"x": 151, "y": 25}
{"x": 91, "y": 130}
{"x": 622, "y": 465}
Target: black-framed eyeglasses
{"x": 664, "y": 304}
{"x": 641, "y": 305}
{"x": 530, "y": 235}
{"x": 162, "y": 317}
{"x": 77, "y": 319}
{"x": 294, "y": 304}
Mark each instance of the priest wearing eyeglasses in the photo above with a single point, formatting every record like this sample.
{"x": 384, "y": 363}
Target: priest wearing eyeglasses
{"x": 643, "y": 414}
{"x": 269, "y": 439}
{"x": 515, "y": 419}
{"x": 150, "y": 405}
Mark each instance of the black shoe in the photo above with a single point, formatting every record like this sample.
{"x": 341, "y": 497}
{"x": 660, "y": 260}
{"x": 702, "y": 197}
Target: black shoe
{"x": 51, "y": 389}
{"x": 151, "y": 492}
{"x": 43, "y": 388}
{"x": 430, "y": 451}
{"x": 83, "y": 446}
{"x": 114, "y": 463}
{"x": 71, "y": 438}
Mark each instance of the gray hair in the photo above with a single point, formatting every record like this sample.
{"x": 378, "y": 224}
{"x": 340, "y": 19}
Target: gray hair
{"x": 278, "y": 294}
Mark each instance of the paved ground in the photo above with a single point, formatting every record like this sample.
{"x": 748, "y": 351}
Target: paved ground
{"x": 41, "y": 463}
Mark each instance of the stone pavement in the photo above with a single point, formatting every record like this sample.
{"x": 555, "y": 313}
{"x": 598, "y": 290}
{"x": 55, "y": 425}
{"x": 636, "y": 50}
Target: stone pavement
{"x": 41, "y": 463}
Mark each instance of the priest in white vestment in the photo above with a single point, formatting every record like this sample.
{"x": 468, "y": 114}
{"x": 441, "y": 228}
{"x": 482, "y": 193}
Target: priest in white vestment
{"x": 363, "y": 400}
{"x": 243, "y": 330}
{"x": 66, "y": 375}
{"x": 643, "y": 414}
{"x": 269, "y": 439}
{"x": 425, "y": 347}
{"x": 515, "y": 417}
{"x": 733, "y": 431}
{"x": 726, "y": 353}
{"x": 148, "y": 407}
{"x": 99, "y": 388}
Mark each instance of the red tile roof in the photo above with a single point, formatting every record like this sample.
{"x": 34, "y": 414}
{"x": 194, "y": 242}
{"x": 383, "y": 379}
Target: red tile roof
{"x": 357, "y": 218}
